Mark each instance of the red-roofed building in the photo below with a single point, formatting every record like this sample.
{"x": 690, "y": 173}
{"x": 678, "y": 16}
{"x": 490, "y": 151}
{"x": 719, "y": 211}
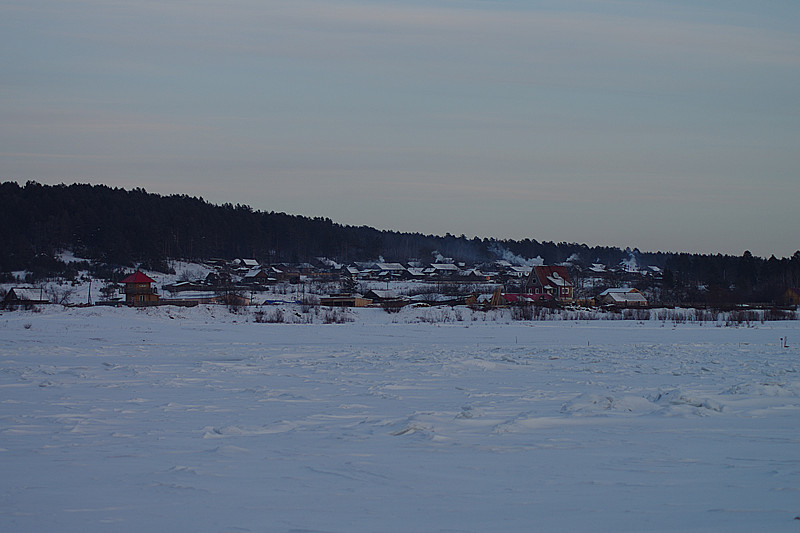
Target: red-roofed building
{"x": 552, "y": 280}
{"x": 139, "y": 289}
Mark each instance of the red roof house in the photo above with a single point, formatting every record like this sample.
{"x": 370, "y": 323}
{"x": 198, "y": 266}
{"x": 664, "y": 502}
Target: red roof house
{"x": 138, "y": 277}
{"x": 139, "y": 289}
{"x": 552, "y": 280}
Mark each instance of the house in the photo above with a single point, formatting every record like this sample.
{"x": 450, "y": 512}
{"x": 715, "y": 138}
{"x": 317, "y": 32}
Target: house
{"x": 245, "y": 263}
{"x": 518, "y": 271}
{"x": 381, "y": 296}
{"x": 416, "y": 272}
{"x": 622, "y": 297}
{"x": 474, "y": 275}
{"x": 183, "y": 286}
{"x": 284, "y": 273}
{"x": 792, "y": 296}
{"x": 344, "y": 300}
{"x": 387, "y": 299}
{"x": 552, "y": 280}
{"x": 218, "y": 279}
{"x": 442, "y": 271}
{"x": 256, "y": 276}
{"x": 25, "y": 297}
{"x": 139, "y": 290}
{"x": 444, "y": 267}
{"x": 394, "y": 268}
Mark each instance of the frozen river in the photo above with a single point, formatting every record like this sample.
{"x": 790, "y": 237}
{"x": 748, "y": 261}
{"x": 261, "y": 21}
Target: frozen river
{"x": 198, "y": 420}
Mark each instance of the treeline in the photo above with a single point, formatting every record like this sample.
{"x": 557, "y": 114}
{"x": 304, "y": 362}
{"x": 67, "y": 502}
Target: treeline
{"x": 122, "y": 227}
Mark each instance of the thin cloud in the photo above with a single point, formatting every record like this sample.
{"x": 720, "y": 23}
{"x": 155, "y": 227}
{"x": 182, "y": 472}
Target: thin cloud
{"x": 309, "y": 29}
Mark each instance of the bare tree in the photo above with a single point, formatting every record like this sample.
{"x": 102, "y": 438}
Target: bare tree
{"x": 59, "y": 295}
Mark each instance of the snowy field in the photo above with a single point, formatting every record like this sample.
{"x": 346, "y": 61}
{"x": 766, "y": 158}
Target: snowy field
{"x": 174, "y": 419}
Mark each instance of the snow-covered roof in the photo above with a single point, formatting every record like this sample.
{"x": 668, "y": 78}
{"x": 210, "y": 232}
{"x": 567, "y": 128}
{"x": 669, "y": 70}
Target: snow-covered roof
{"x": 558, "y": 281}
{"x": 627, "y": 297}
{"x": 389, "y": 266}
{"x": 384, "y": 295}
{"x": 31, "y": 295}
{"x": 617, "y": 290}
{"x": 444, "y": 266}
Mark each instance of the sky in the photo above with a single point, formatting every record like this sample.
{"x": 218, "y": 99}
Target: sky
{"x": 661, "y": 125}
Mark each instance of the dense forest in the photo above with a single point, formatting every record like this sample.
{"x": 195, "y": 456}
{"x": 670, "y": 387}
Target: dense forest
{"x": 121, "y": 227}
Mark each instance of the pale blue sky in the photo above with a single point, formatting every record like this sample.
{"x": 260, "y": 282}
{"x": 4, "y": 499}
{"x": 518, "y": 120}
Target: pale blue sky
{"x": 663, "y": 125}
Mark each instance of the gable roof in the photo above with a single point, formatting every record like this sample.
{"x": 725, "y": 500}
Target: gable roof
{"x": 555, "y": 275}
{"x": 626, "y": 297}
{"x": 390, "y": 266}
{"x": 618, "y": 290}
{"x": 256, "y": 273}
{"x": 381, "y": 295}
{"x": 25, "y": 294}
{"x": 138, "y": 277}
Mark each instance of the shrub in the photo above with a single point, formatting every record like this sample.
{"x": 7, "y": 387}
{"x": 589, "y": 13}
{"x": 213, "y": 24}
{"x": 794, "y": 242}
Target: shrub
{"x": 274, "y": 316}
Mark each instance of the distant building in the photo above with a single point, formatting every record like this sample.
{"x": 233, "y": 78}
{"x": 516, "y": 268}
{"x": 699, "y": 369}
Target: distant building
{"x": 622, "y": 297}
{"x": 245, "y": 263}
{"x": 24, "y": 296}
{"x": 338, "y": 300}
{"x": 256, "y": 276}
{"x": 792, "y": 296}
{"x": 381, "y": 296}
{"x": 552, "y": 280}
{"x": 139, "y": 289}
{"x": 390, "y": 267}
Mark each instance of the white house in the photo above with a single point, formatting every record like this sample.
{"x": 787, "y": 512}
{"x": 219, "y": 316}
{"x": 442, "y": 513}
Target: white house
{"x": 623, "y": 297}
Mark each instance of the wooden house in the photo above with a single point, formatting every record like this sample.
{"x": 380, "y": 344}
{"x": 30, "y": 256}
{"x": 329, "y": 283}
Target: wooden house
{"x": 344, "y": 300}
{"x": 622, "y": 297}
{"x": 256, "y": 276}
{"x": 792, "y": 296}
{"x": 552, "y": 280}
{"x": 23, "y": 296}
{"x": 139, "y": 289}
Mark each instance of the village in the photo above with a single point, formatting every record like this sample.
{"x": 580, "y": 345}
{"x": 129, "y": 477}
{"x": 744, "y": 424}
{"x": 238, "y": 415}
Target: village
{"x": 245, "y": 282}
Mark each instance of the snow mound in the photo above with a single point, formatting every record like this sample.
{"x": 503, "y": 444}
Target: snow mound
{"x": 773, "y": 390}
{"x": 594, "y": 404}
{"x": 676, "y": 397}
